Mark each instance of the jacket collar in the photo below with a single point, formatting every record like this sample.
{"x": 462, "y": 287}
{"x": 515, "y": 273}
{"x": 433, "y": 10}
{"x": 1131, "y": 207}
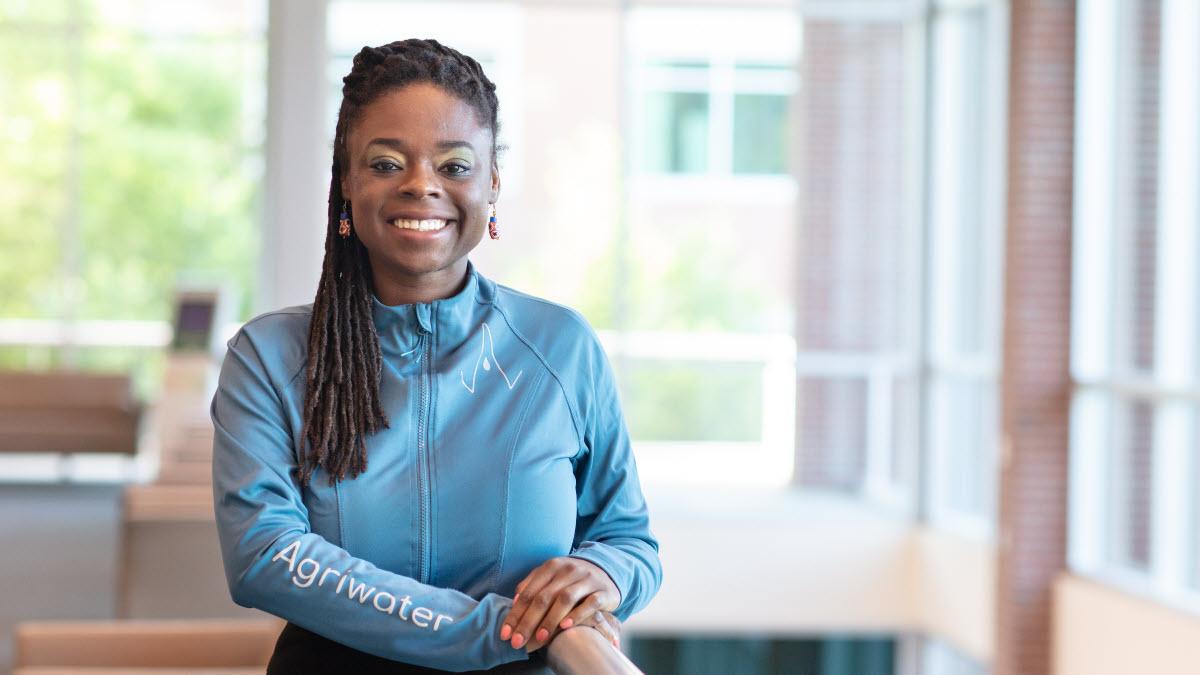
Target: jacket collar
{"x": 449, "y": 320}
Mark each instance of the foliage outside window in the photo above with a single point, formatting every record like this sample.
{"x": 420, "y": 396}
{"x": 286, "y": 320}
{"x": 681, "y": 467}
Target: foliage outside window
{"x": 132, "y": 159}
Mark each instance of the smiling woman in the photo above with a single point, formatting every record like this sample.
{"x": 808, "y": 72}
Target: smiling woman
{"x": 502, "y": 503}
{"x": 419, "y": 176}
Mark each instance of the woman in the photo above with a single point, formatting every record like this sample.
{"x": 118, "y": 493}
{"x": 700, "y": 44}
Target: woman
{"x": 423, "y": 471}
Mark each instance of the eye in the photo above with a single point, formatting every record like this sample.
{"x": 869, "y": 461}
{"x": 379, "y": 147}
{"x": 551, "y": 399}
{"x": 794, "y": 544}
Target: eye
{"x": 456, "y": 169}
{"x": 385, "y": 165}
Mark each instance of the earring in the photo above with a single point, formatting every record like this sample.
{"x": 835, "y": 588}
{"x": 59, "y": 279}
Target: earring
{"x": 344, "y": 223}
{"x": 492, "y": 224}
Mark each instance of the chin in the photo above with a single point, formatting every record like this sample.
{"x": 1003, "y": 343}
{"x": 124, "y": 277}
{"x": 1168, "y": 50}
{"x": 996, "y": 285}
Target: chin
{"x": 421, "y": 267}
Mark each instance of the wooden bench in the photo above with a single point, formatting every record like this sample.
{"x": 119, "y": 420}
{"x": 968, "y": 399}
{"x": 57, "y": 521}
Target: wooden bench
{"x": 224, "y": 647}
{"x": 67, "y": 413}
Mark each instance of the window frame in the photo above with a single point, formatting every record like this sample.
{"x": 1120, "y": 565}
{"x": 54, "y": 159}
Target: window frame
{"x": 1172, "y": 387}
{"x": 946, "y": 364}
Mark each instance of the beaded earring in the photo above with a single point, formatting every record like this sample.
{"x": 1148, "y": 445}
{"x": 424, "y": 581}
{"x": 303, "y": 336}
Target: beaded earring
{"x": 344, "y": 223}
{"x": 492, "y": 224}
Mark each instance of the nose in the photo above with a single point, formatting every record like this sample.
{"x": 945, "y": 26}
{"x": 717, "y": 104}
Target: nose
{"x": 420, "y": 181}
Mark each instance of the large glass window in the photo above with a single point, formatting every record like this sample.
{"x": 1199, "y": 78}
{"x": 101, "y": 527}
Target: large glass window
{"x": 900, "y": 255}
{"x": 703, "y": 311}
{"x": 734, "y": 213}
{"x": 716, "y": 116}
{"x": 940, "y": 658}
{"x": 757, "y": 655}
{"x": 858, "y": 272}
{"x": 132, "y": 164}
{"x": 761, "y": 133}
{"x": 965, "y": 246}
{"x": 677, "y": 121}
{"x": 1136, "y": 341}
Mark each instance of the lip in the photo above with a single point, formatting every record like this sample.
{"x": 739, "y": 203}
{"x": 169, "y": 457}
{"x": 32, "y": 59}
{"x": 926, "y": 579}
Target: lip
{"x": 418, "y": 216}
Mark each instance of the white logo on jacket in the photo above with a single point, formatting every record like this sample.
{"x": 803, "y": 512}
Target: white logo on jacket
{"x": 356, "y": 590}
{"x": 487, "y": 346}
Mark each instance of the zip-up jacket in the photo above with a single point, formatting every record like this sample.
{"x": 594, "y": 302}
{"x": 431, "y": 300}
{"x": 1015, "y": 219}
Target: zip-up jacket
{"x": 506, "y": 447}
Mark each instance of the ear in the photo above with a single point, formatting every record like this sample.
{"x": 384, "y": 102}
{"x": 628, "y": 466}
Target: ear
{"x": 345, "y": 185}
{"x": 495, "y": 184}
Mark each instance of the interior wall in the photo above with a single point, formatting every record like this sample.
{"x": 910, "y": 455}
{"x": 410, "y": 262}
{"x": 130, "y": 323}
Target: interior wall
{"x": 1099, "y": 630}
{"x": 60, "y": 555}
{"x": 955, "y": 591}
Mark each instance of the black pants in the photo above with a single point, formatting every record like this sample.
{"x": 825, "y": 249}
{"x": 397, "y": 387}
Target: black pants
{"x": 302, "y": 652}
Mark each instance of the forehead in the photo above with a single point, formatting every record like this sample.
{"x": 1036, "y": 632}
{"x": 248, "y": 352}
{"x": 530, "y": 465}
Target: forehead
{"x": 419, "y": 114}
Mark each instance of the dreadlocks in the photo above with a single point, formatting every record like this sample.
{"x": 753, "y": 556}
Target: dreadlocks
{"x": 341, "y": 398}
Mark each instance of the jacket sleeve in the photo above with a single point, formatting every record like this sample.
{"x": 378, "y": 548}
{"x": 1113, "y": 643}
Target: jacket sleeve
{"x": 274, "y": 562}
{"x": 612, "y": 523}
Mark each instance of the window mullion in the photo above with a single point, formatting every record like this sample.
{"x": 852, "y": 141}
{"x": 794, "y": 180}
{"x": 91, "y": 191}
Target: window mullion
{"x": 720, "y": 128}
{"x": 1176, "y": 330}
{"x": 1094, "y": 287}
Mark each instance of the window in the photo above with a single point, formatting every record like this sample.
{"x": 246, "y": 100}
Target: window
{"x": 965, "y": 247}
{"x": 132, "y": 163}
{"x": 717, "y": 108}
{"x": 761, "y": 137}
{"x": 760, "y": 655}
{"x": 1136, "y": 345}
{"x": 720, "y": 117}
{"x": 703, "y": 310}
{"x": 901, "y": 255}
{"x": 858, "y": 290}
{"x": 940, "y": 658}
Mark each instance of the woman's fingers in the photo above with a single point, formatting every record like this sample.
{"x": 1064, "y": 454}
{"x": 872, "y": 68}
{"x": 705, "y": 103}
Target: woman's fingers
{"x": 563, "y": 589}
{"x": 607, "y": 624}
{"x": 612, "y": 628}
{"x": 584, "y": 613}
{"x": 530, "y": 603}
{"x": 565, "y": 599}
{"x": 560, "y": 590}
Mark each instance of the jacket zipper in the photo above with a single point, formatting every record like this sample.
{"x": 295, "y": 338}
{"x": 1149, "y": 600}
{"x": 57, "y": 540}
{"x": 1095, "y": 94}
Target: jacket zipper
{"x": 423, "y": 477}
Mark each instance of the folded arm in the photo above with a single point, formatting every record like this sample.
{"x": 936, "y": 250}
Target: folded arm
{"x": 274, "y": 562}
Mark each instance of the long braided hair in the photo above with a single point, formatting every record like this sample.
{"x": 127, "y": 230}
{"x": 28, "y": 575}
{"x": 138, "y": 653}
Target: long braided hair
{"x": 341, "y": 398}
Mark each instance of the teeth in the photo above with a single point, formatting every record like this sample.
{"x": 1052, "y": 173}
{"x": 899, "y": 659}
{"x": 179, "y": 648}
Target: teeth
{"x": 422, "y": 225}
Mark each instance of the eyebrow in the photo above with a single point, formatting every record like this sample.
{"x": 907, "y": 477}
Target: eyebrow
{"x": 401, "y": 146}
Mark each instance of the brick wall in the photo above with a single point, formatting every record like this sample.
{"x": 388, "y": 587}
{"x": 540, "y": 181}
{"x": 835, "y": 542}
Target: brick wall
{"x": 1035, "y": 380}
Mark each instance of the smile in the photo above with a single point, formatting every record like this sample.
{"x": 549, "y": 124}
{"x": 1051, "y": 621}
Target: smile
{"x": 421, "y": 225}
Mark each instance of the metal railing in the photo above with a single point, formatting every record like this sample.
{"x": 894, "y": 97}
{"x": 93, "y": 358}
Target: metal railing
{"x": 584, "y": 651}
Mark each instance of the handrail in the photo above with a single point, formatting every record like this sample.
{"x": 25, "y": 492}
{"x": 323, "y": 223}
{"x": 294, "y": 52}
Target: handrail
{"x": 582, "y": 650}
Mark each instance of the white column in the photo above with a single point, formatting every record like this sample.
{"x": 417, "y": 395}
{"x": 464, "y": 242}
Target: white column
{"x": 1093, "y": 287}
{"x": 298, "y": 155}
{"x": 1176, "y": 333}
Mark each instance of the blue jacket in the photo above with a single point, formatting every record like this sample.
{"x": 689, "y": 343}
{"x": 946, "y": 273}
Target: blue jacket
{"x": 507, "y": 447}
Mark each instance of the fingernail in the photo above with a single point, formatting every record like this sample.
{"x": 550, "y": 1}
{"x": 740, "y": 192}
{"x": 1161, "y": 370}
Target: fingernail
{"x": 516, "y": 596}
{"x": 518, "y": 641}
{"x": 542, "y": 634}
{"x": 566, "y": 623}
{"x": 506, "y": 632}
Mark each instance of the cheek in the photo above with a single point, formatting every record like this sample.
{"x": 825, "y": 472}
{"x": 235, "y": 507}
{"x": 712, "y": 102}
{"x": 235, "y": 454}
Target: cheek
{"x": 352, "y": 191}
{"x": 474, "y": 200}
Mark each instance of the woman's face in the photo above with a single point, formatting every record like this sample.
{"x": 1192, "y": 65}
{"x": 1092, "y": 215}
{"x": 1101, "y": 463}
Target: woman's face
{"x": 419, "y": 179}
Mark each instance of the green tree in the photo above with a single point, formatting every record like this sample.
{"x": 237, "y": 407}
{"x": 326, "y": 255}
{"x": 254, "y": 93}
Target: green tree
{"x": 145, "y": 148}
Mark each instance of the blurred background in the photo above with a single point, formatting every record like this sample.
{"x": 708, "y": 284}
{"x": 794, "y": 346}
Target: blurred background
{"x": 903, "y": 298}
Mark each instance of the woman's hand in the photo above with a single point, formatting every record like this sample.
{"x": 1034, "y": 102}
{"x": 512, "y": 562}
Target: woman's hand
{"x": 560, "y": 593}
{"x": 605, "y": 622}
